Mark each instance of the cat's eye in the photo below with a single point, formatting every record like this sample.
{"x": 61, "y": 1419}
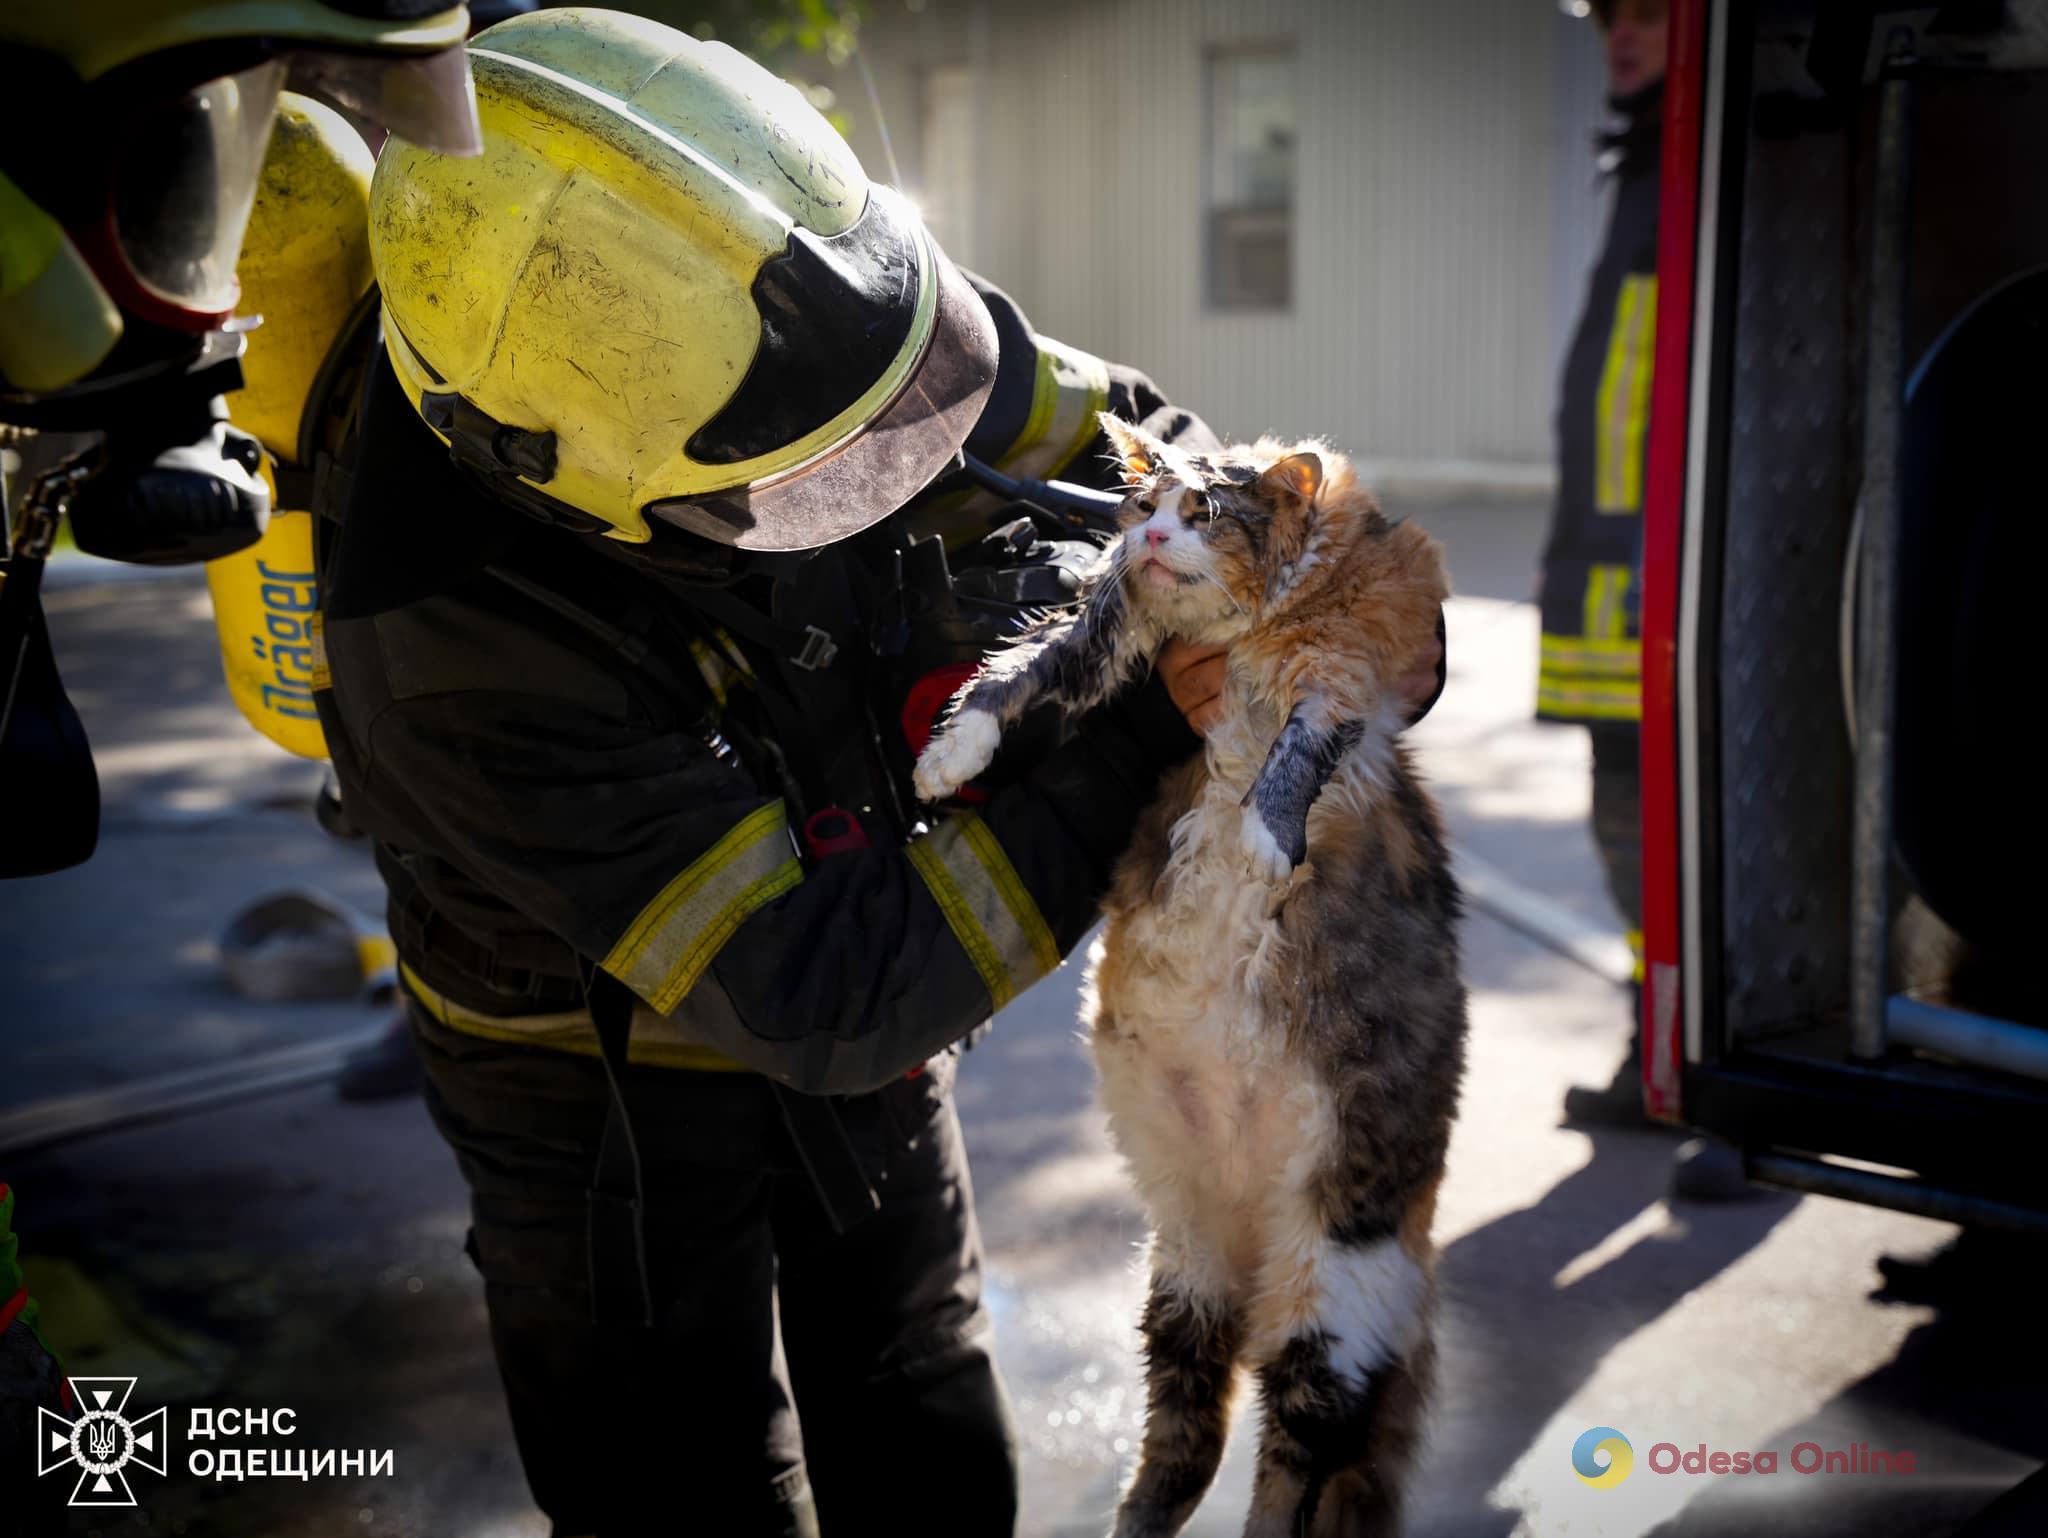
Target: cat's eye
{"x": 1198, "y": 504}
{"x": 1147, "y": 505}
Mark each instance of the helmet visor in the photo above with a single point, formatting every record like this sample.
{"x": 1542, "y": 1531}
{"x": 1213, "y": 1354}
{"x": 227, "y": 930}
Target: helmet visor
{"x": 184, "y": 184}
{"x": 896, "y": 456}
{"x": 428, "y": 99}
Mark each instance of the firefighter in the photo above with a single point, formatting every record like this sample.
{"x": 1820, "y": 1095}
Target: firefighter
{"x": 126, "y": 187}
{"x": 125, "y": 176}
{"x": 1591, "y": 659}
{"x": 641, "y": 542}
{"x": 138, "y": 131}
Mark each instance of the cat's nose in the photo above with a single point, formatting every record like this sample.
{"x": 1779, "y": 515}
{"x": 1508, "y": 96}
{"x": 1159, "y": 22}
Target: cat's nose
{"x": 1156, "y": 536}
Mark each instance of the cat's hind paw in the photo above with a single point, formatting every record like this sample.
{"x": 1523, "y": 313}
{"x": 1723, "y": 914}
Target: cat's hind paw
{"x": 961, "y": 749}
{"x": 1271, "y": 861}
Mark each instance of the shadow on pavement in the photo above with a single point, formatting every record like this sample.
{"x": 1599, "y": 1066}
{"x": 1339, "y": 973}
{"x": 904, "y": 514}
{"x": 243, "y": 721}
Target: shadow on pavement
{"x": 1969, "y": 1384}
{"x": 1504, "y": 1374}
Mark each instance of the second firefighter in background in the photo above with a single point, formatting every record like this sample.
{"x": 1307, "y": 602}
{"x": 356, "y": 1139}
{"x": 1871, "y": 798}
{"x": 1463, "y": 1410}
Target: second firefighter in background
{"x": 1591, "y": 664}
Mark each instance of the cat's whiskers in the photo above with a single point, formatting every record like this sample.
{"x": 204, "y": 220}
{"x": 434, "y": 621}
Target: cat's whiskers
{"x": 1213, "y": 580}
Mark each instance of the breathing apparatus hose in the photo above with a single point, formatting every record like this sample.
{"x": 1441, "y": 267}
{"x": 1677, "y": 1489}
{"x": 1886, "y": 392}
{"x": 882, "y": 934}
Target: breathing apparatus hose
{"x": 1079, "y": 507}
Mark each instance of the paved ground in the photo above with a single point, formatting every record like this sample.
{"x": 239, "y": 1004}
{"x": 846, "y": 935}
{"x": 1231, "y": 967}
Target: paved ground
{"x": 289, "y": 1250}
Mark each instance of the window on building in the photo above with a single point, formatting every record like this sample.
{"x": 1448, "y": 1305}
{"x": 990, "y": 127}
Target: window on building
{"x": 1251, "y": 177}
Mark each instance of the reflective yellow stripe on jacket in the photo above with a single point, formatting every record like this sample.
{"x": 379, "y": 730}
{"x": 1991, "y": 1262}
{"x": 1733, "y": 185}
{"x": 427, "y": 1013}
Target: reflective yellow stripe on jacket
{"x": 1597, "y": 675}
{"x": 986, "y": 906}
{"x": 1071, "y": 387}
{"x": 655, "y": 1040}
{"x": 1621, "y": 413}
{"x": 666, "y": 949}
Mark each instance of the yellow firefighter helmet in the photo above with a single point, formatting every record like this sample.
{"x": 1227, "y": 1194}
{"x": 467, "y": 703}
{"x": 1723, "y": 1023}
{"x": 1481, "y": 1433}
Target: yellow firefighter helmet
{"x": 667, "y": 291}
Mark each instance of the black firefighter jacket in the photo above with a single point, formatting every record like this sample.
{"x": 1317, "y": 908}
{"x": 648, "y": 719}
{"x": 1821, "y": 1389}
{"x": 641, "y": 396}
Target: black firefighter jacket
{"x": 1591, "y": 649}
{"x": 547, "y": 746}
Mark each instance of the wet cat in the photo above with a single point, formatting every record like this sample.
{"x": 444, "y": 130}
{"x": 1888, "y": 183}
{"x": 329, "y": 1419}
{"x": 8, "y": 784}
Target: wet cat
{"x": 1275, "y": 1005}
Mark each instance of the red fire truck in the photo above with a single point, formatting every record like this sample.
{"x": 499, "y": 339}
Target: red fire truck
{"x": 1844, "y": 850}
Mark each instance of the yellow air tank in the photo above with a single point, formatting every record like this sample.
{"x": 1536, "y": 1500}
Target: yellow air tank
{"x": 304, "y": 267}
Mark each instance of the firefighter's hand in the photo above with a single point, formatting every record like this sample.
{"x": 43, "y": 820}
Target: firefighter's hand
{"x": 1417, "y": 684}
{"x": 1193, "y": 676}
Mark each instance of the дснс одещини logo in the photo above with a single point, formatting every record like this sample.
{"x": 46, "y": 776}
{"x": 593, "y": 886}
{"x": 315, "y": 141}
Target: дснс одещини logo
{"x": 102, "y": 1441}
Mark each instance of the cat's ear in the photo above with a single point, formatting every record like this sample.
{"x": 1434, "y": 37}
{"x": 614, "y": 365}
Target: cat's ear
{"x": 1298, "y": 475}
{"x": 1138, "y": 449}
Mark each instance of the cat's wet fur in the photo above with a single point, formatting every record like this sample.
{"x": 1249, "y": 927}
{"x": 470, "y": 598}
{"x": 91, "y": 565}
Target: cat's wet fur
{"x": 1275, "y": 1005}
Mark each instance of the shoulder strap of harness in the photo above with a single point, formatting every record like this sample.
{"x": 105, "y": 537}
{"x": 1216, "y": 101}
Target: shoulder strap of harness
{"x": 617, "y": 1234}
{"x": 326, "y": 448}
{"x": 818, "y": 710}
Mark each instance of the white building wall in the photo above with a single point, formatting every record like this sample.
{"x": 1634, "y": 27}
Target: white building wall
{"x": 1580, "y": 201}
{"x": 1441, "y": 230}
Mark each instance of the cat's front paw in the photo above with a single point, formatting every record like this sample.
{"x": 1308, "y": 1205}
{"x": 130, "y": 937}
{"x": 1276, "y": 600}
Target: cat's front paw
{"x": 1271, "y": 860}
{"x": 960, "y": 750}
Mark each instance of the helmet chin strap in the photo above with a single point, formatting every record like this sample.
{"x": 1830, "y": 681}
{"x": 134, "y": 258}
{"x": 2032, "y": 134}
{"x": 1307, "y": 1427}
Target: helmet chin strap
{"x": 481, "y": 441}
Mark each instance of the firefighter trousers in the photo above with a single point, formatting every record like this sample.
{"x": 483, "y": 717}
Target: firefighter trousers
{"x": 797, "y": 1380}
{"x": 1618, "y": 817}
